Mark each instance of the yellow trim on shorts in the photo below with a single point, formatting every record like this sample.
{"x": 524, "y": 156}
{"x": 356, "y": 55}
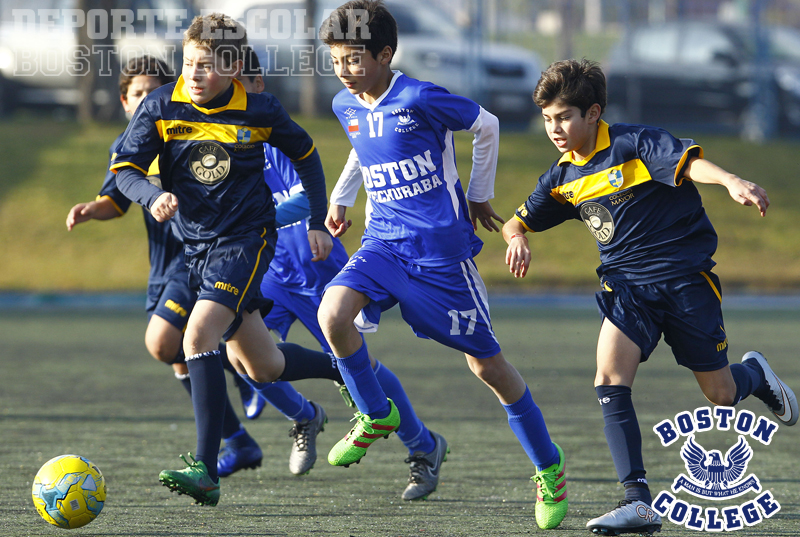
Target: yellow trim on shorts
{"x": 253, "y": 274}
{"x": 714, "y": 287}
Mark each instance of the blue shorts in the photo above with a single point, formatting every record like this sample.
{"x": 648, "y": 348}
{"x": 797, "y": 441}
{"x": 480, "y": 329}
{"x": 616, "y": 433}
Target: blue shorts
{"x": 289, "y": 307}
{"x": 446, "y": 304}
{"x": 229, "y": 270}
{"x": 171, "y": 299}
{"x": 687, "y": 310}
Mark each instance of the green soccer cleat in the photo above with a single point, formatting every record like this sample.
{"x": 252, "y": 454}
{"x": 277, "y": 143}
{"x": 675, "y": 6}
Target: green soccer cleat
{"x": 354, "y": 446}
{"x": 345, "y": 393}
{"x": 551, "y": 494}
{"x": 193, "y": 481}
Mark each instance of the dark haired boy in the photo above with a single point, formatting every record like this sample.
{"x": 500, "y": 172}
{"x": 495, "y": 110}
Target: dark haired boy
{"x": 208, "y": 134}
{"x": 418, "y": 247}
{"x": 633, "y": 187}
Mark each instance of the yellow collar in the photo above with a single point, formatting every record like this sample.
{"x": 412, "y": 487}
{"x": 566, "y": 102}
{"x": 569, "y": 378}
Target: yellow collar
{"x": 603, "y": 142}
{"x": 238, "y": 101}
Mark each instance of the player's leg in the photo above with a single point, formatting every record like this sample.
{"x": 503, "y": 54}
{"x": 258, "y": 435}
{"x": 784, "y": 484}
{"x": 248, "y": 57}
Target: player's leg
{"x": 378, "y": 416}
{"x": 699, "y": 342}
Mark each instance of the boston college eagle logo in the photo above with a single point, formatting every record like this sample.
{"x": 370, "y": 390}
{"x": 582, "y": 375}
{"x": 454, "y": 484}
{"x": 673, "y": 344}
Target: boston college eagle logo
{"x": 711, "y": 476}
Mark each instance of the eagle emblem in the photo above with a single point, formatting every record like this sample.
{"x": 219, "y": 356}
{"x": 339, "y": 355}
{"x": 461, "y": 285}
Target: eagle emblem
{"x": 713, "y": 476}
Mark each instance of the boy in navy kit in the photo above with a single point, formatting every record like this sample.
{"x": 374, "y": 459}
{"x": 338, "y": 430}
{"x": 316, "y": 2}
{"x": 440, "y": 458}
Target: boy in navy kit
{"x": 208, "y": 134}
{"x": 420, "y": 239}
{"x": 632, "y": 186}
{"x": 169, "y": 299}
{"x": 295, "y": 285}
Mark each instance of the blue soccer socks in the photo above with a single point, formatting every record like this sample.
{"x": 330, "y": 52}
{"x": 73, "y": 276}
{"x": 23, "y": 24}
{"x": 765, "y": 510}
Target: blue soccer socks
{"x": 289, "y": 402}
{"x": 527, "y": 422}
{"x": 624, "y": 440}
{"x": 412, "y": 432}
{"x": 363, "y": 385}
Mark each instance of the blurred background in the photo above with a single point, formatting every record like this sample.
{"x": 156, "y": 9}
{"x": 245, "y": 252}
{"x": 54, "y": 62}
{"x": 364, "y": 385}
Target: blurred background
{"x": 725, "y": 72}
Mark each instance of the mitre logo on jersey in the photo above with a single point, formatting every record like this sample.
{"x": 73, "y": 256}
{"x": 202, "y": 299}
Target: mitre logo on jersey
{"x": 615, "y": 178}
{"x": 405, "y": 123}
{"x": 710, "y": 475}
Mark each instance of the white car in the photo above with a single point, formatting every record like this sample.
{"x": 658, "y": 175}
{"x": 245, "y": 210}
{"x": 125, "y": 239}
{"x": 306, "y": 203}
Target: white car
{"x": 430, "y": 47}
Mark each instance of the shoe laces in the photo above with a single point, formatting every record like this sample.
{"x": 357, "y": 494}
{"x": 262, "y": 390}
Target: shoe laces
{"x": 300, "y": 433}
{"x": 363, "y": 425}
{"x": 417, "y": 469}
{"x": 194, "y": 466}
{"x": 546, "y": 483}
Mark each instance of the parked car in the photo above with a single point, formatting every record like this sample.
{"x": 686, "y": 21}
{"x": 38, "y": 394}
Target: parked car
{"x": 704, "y": 76}
{"x": 431, "y": 47}
{"x": 40, "y": 57}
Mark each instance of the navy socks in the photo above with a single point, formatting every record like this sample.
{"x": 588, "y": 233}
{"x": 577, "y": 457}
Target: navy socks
{"x": 748, "y": 378}
{"x": 302, "y": 363}
{"x": 624, "y": 440}
{"x": 209, "y": 397}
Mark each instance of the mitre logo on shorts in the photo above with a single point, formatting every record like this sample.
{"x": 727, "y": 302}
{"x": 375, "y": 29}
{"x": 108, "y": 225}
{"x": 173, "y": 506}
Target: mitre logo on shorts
{"x": 209, "y": 163}
{"x": 710, "y": 475}
{"x": 599, "y": 221}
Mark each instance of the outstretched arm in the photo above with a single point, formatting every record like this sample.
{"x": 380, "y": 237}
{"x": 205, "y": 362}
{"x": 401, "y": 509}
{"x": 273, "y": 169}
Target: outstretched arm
{"x": 484, "y": 165}
{"x": 102, "y": 209}
{"x": 744, "y": 192}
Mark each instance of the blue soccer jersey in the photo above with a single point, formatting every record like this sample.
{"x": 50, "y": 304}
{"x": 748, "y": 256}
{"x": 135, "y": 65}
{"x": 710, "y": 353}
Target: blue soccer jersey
{"x": 212, "y": 159}
{"x": 649, "y": 223}
{"x": 166, "y": 251}
{"x": 416, "y": 206}
{"x": 291, "y": 267}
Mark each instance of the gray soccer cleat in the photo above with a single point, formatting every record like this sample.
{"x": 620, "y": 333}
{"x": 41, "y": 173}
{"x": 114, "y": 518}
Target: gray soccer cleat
{"x": 304, "y": 447}
{"x": 629, "y": 516}
{"x": 424, "y": 470}
{"x": 779, "y": 398}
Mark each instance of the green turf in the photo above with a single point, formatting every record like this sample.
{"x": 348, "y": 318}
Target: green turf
{"x": 80, "y": 383}
{"x": 66, "y": 165}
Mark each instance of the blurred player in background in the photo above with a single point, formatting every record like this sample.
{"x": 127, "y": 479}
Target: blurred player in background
{"x": 633, "y": 187}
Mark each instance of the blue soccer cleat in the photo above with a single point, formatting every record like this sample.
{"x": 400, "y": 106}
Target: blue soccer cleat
{"x": 237, "y": 456}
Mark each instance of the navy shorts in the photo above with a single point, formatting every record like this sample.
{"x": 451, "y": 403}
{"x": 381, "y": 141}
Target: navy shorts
{"x": 686, "y": 310}
{"x": 229, "y": 272}
{"x": 172, "y": 300}
{"x": 289, "y": 307}
{"x": 446, "y": 304}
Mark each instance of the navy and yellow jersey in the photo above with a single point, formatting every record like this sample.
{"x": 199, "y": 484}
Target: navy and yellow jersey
{"x": 166, "y": 251}
{"x": 212, "y": 158}
{"x": 649, "y": 223}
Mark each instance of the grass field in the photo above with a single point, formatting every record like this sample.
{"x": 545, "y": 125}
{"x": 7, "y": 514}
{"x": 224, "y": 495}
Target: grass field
{"x": 51, "y": 166}
{"x": 77, "y": 382}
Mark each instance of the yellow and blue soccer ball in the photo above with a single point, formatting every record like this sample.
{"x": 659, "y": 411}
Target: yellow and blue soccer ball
{"x": 69, "y": 491}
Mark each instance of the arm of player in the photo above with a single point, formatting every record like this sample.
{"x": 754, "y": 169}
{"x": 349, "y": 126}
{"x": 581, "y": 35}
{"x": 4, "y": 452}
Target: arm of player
{"x": 518, "y": 253}
{"x": 335, "y": 221}
{"x": 484, "y": 166}
{"x": 703, "y": 171}
{"x": 344, "y": 195}
{"x": 134, "y": 184}
{"x": 101, "y": 209}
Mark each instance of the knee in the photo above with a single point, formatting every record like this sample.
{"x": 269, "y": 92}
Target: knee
{"x": 491, "y": 372}
{"x": 721, "y": 396}
{"x": 331, "y": 319}
{"x": 161, "y": 350}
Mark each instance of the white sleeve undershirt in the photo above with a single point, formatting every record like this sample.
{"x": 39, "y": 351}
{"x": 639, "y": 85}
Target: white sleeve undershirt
{"x": 484, "y": 157}
{"x": 346, "y": 190}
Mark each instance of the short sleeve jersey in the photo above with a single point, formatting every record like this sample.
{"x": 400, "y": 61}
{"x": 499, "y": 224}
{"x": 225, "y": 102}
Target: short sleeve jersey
{"x": 291, "y": 266}
{"x": 416, "y": 206}
{"x": 649, "y": 223}
{"x": 166, "y": 251}
{"x": 212, "y": 159}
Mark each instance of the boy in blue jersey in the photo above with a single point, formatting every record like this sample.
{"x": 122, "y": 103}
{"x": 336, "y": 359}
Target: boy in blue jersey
{"x": 295, "y": 284}
{"x": 420, "y": 239}
{"x": 633, "y": 187}
{"x": 207, "y": 133}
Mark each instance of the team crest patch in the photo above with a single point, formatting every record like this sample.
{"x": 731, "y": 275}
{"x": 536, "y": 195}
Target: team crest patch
{"x": 209, "y": 163}
{"x": 615, "y": 178}
{"x": 243, "y": 135}
{"x": 710, "y": 475}
{"x": 599, "y": 221}
{"x": 405, "y": 120}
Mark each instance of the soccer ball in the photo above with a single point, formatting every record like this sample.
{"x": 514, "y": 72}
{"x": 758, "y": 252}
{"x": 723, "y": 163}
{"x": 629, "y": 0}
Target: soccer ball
{"x": 69, "y": 491}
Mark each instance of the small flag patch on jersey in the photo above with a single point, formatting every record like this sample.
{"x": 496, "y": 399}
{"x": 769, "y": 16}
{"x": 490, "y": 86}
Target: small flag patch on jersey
{"x": 353, "y": 126}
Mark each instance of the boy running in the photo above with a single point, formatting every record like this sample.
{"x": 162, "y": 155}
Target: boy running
{"x": 633, "y": 187}
{"x": 208, "y": 134}
{"x": 420, "y": 239}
